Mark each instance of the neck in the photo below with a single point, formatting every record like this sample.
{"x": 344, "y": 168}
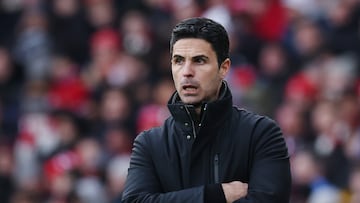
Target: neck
{"x": 218, "y": 95}
{"x": 197, "y": 109}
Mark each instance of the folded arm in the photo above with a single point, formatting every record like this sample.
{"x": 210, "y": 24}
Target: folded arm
{"x": 143, "y": 185}
{"x": 270, "y": 176}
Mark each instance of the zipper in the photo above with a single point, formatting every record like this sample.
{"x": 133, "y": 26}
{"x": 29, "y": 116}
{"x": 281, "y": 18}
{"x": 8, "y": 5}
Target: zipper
{"x": 216, "y": 168}
{"x": 192, "y": 122}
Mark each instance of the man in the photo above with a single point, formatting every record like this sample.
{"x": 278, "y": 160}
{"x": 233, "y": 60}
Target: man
{"x": 208, "y": 150}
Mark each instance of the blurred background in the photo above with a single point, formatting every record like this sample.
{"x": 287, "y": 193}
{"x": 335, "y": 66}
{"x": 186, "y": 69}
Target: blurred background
{"x": 79, "y": 79}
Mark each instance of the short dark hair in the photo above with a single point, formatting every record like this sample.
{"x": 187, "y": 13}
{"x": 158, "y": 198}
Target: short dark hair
{"x": 206, "y": 29}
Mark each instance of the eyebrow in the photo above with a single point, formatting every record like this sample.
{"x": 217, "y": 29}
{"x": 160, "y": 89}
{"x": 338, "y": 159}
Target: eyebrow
{"x": 177, "y": 56}
{"x": 194, "y": 57}
{"x": 200, "y": 57}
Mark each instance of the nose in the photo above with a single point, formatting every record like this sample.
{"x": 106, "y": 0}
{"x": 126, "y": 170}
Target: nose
{"x": 188, "y": 70}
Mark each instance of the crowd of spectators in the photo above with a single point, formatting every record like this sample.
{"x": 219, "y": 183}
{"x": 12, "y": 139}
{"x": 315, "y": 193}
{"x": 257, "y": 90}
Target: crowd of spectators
{"x": 79, "y": 79}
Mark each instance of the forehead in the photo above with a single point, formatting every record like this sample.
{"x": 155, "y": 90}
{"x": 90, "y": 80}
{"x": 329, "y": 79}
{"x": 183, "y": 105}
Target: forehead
{"x": 193, "y": 47}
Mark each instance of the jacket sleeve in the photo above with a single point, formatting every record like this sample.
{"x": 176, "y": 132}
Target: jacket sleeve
{"x": 143, "y": 185}
{"x": 270, "y": 176}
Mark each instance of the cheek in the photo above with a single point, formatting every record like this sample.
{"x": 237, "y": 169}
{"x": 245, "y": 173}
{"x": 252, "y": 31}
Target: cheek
{"x": 211, "y": 83}
{"x": 176, "y": 81}
{"x": 211, "y": 78}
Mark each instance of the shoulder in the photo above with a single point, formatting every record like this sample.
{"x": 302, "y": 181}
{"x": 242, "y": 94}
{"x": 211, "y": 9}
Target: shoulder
{"x": 257, "y": 128}
{"x": 145, "y": 142}
{"x": 155, "y": 134}
{"x": 148, "y": 135}
{"x": 266, "y": 136}
{"x": 252, "y": 119}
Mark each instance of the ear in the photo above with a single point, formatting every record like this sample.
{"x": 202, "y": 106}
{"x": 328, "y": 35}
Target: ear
{"x": 224, "y": 68}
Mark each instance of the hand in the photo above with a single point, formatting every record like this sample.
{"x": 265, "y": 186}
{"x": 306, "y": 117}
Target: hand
{"x": 234, "y": 190}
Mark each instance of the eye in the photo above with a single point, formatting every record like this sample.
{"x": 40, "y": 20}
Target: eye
{"x": 178, "y": 60}
{"x": 199, "y": 60}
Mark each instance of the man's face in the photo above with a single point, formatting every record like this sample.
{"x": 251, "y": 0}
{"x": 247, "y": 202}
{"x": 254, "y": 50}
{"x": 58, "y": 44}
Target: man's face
{"x": 195, "y": 70}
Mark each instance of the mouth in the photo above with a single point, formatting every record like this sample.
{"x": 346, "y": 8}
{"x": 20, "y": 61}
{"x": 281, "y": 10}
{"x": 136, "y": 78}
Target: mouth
{"x": 189, "y": 89}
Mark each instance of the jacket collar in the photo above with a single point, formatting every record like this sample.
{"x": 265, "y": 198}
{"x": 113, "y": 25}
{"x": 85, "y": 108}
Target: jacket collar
{"x": 213, "y": 113}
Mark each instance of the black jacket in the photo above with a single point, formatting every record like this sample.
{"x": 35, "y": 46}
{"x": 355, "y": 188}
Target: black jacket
{"x": 186, "y": 159}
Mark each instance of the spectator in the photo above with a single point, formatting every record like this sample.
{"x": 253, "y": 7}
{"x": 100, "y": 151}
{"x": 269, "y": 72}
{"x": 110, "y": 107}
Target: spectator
{"x": 6, "y": 172}
{"x": 109, "y": 65}
{"x": 292, "y": 123}
{"x": 355, "y": 185}
{"x": 67, "y": 91}
{"x": 69, "y": 29}
{"x": 307, "y": 171}
{"x": 33, "y": 46}
{"x": 11, "y": 82}
{"x": 116, "y": 176}
{"x": 58, "y": 177}
{"x": 117, "y": 141}
{"x": 154, "y": 114}
{"x": 100, "y": 14}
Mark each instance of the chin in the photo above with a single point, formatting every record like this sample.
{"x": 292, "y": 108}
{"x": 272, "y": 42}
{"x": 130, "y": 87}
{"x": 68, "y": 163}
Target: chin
{"x": 187, "y": 100}
{"x": 191, "y": 102}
